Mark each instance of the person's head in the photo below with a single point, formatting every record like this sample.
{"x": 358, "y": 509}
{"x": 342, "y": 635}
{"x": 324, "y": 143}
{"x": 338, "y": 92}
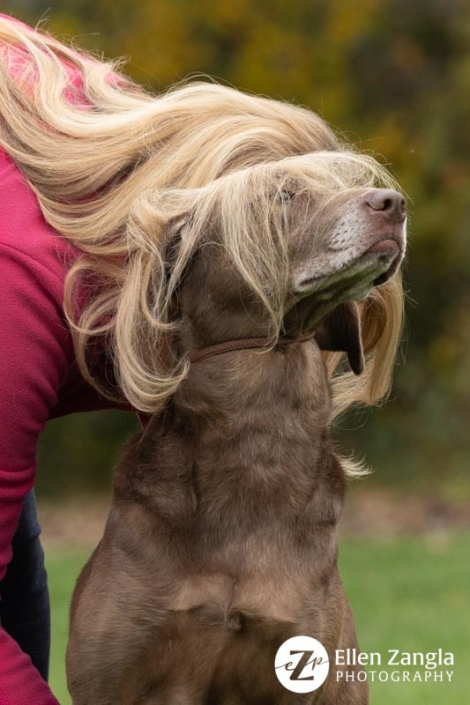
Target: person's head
{"x": 111, "y": 164}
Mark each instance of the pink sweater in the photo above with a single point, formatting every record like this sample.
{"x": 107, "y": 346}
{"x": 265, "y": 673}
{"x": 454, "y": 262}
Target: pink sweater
{"x": 39, "y": 379}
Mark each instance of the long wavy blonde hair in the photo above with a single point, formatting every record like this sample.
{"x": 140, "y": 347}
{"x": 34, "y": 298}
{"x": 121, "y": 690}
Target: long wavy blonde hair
{"x": 111, "y": 164}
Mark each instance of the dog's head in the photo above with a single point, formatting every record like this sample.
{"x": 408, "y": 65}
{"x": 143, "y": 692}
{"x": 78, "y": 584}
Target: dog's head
{"x": 303, "y": 244}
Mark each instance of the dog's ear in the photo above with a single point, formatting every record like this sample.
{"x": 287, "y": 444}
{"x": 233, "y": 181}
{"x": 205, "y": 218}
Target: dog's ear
{"x": 340, "y": 331}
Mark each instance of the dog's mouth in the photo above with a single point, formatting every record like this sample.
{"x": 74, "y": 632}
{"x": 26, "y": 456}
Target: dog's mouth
{"x": 390, "y": 252}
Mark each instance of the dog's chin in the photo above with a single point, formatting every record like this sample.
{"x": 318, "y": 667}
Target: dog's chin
{"x": 373, "y": 267}
{"x": 318, "y": 296}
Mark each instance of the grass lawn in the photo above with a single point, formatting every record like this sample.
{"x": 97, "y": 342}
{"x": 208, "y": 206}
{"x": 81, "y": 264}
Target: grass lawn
{"x": 411, "y": 594}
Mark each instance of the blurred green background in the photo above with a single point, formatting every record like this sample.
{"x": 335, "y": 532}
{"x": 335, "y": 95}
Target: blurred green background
{"x": 394, "y": 77}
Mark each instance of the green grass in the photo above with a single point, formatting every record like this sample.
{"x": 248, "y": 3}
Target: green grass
{"x": 410, "y": 594}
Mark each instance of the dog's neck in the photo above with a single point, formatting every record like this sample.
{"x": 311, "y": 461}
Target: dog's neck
{"x": 230, "y": 386}
{"x": 259, "y": 424}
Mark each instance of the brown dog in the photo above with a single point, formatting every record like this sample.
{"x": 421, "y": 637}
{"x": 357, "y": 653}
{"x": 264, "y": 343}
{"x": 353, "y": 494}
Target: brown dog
{"x": 222, "y": 539}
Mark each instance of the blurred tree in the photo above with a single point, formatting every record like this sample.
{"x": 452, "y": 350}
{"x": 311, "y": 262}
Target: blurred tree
{"x": 396, "y": 75}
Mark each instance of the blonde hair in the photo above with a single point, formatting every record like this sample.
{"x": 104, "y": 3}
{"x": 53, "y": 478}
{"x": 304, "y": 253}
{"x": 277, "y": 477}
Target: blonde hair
{"x": 112, "y": 167}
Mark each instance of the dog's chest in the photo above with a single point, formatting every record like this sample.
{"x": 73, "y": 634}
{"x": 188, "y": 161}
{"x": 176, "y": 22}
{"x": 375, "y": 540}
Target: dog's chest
{"x": 273, "y": 582}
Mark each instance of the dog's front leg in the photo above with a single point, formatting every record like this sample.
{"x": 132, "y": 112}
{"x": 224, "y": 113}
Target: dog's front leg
{"x": 113, "y": 618}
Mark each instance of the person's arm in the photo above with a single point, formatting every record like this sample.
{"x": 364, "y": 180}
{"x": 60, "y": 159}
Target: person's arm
{"x": 34, "y": 359}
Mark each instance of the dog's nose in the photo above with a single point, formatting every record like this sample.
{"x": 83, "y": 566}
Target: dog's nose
{"x": 388, "y": 203}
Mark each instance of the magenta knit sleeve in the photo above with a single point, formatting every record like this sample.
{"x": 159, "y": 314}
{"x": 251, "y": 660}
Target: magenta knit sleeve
{"x": 34, "y": 359}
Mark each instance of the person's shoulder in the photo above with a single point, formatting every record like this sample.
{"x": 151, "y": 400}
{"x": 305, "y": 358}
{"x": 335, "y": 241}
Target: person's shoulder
{"x": 23, "y": 227}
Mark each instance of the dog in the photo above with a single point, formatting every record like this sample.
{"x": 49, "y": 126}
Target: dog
{"x": 221, "y": 542}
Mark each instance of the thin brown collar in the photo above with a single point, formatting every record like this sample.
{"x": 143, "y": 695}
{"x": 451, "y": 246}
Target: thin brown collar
{"x": 246, "y": 344}
{"x": 229, "y": 346}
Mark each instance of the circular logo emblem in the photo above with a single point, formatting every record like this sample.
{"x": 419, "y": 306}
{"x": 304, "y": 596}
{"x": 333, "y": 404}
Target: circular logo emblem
{"x": 301, "y": 664}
